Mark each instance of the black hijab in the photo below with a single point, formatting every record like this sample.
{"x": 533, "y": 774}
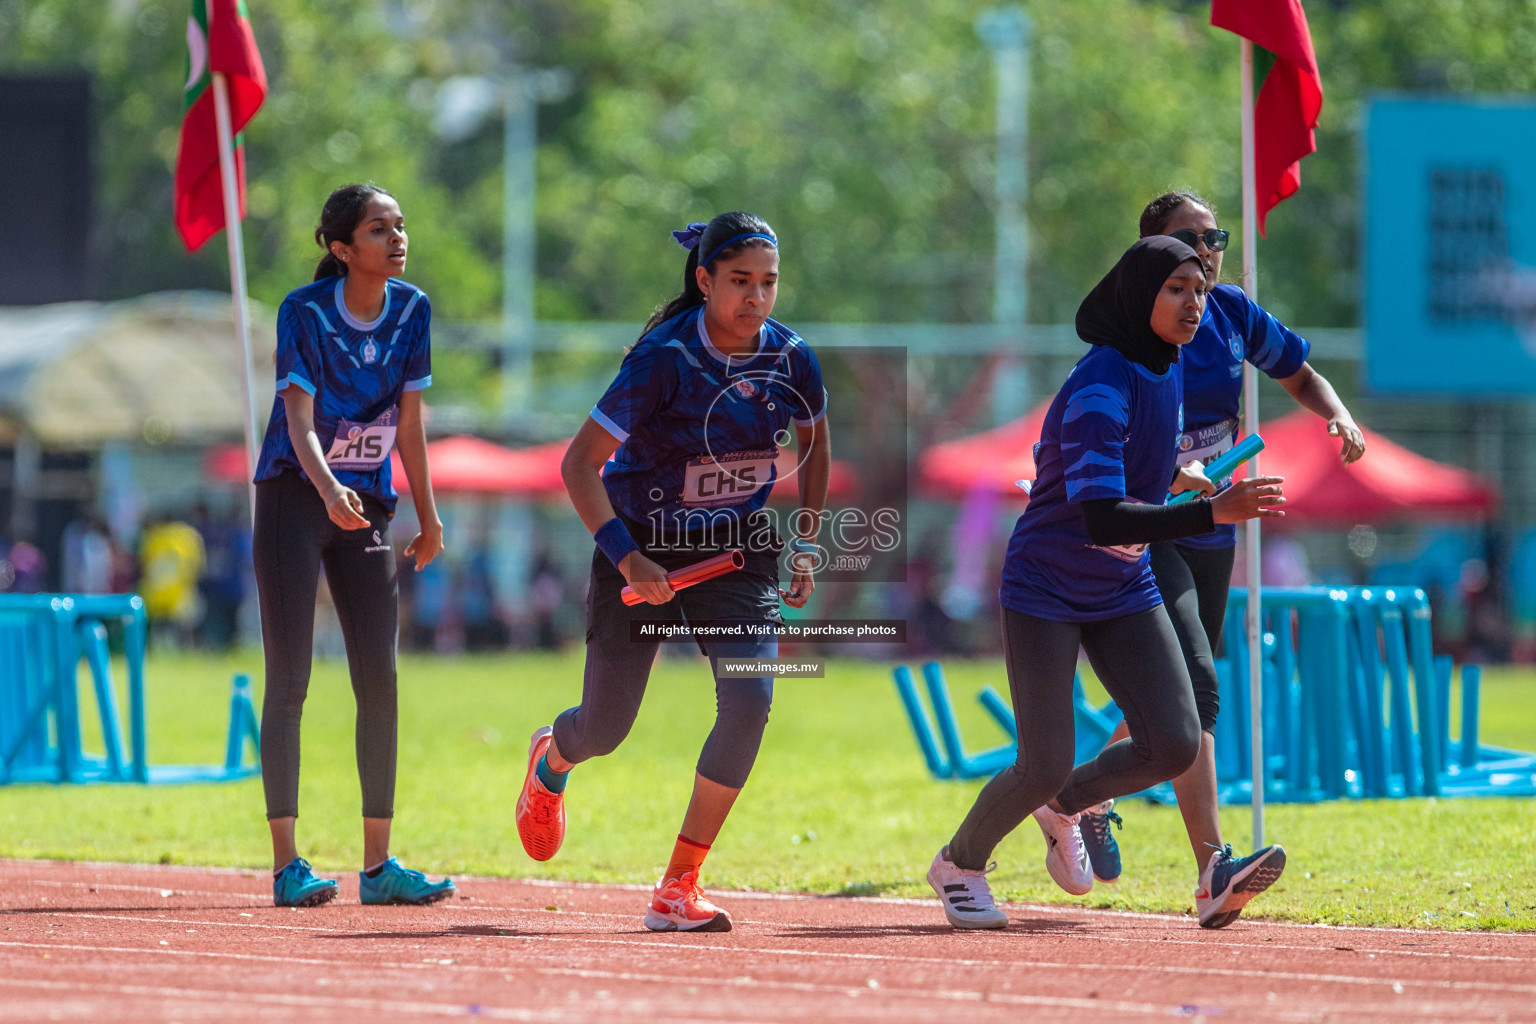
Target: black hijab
{"x": 1118, "y": 312}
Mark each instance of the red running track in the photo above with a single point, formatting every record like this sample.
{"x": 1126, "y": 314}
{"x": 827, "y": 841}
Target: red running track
{"x": 111, "y": 942}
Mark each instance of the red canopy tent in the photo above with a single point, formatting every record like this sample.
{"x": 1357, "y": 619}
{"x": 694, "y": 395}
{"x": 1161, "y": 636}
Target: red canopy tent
{"x": 471, "y": 465}
{"x": 992, "y": 459}
{"x": 1388, "y": 483}
{"x": 535, "y": 471}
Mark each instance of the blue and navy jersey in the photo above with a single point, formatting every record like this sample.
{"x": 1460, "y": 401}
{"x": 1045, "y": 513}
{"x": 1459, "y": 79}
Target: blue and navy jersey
{"x": 356, "y": 372}
{"x": 1233, "y": 329}
{"x": 698, "y": 430}
{"x": 1109, "y": 434}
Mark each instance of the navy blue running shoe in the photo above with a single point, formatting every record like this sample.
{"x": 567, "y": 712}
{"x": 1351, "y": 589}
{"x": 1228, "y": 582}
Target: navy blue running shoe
{"x": 1228, "y": 883}
{"x": 1103, "y": 851}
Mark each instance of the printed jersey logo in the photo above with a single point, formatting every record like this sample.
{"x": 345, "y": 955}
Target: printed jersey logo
{"x": 1236, "y": 344}
{"x": 745, "y": 388}
{"x": 370, "y": 350}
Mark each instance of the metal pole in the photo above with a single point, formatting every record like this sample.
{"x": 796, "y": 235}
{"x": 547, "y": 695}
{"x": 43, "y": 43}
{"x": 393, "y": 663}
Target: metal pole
{"x": 519, "y": 181}
{"x": 232, "y": 236}
{"x": 1251, "y": 413}
{"x": 1006, "y": 31}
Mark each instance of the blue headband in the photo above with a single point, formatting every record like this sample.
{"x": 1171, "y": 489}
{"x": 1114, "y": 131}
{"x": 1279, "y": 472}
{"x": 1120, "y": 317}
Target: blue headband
{"x": 733, "y": 241}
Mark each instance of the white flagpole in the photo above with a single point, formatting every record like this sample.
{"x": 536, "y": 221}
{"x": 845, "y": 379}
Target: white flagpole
{"x": 1251, "y": 413}
{"x": 232, "y": 235}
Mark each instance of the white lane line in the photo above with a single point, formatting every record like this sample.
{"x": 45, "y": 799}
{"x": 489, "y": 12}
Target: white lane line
{"x": 886, "y": 958}
{"x": 307, "y": 1000}
{"x": 157, "y": 889}
{"x": 201, "y": 922}
{"x": 670, "y": 981}
{"x": 1227, "y": 941}
{"x": 748, "y": 894}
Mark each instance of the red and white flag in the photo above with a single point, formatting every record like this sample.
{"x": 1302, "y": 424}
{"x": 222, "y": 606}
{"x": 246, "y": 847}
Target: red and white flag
{"x": 1291, "y": 98}
{"x": 219, "y": 41}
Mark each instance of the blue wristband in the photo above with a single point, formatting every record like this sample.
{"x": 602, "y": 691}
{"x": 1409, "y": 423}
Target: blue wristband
{"x": 614, "y": 540}
{"x": 807, "y": 546}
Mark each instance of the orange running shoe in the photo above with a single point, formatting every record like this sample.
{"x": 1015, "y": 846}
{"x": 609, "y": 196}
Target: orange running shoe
{"x": 540, "y": 813}
{"x": 678, "y": 905}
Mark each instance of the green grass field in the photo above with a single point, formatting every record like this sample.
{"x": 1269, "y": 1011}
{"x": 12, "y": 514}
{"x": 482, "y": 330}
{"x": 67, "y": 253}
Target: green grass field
{"x": 839, "y": 803}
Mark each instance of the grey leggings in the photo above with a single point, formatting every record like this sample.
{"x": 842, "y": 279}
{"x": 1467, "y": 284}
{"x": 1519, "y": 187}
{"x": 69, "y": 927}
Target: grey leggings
{"x": 293, "y": 538}
{"x": 619, "y": 665}
{"x": 1138, "y": 660}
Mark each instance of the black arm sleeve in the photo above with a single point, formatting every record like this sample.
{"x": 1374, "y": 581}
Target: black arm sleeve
{"x": 1117, "y": 521}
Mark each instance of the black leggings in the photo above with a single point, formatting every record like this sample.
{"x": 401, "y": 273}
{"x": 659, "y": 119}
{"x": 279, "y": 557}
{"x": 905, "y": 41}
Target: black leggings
{"x": 619, "y": 665}
{"x": 1194, "y": 584}
{"x": 1137, "y": 659}
{"x": 293, "y": 538}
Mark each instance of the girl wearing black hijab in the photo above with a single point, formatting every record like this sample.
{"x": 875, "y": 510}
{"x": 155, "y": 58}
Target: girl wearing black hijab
{"x": 1077, "y": 573}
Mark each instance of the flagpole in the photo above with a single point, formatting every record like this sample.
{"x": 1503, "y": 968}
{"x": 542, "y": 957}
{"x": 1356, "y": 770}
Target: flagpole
{"x": 232, "y": 235}
{"x": 1251, "y": 412}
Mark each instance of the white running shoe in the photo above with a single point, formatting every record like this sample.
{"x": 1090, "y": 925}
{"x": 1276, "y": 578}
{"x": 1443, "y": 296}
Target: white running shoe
{"x": 1065, "y": 856}
{"x": 966, "y": 896}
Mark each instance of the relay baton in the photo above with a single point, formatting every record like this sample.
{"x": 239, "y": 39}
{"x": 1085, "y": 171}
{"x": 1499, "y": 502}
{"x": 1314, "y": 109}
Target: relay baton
{"x": 688, "y": 575}
{"x": 1224, "y": 464}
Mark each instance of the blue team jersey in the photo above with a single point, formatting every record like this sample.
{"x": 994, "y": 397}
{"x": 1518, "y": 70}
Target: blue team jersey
{"x": 1108, "y": 434}
{"x": 1233, "y": 329}
{"x": 698, "y": 430}
{"x": 356, "y": 372}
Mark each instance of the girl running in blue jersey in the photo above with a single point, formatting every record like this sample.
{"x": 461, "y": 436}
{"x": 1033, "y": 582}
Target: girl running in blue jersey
{"x": 1077, "y": 574}
{"x": 688, "y": 432}
{"x": 1194, "y": 574}
{"x": 353, "y": 355}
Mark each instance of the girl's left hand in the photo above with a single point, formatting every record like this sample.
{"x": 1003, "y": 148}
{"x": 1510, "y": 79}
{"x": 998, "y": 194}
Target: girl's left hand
{"x": 1352, "y": 444}
{"x": 1191, "y": 477}
{"x": 427, "y": 545}
{"x": 801, "y": 586}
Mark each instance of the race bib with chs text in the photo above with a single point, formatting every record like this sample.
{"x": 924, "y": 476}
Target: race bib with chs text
{"x": 361, "y": 446}
{"x": 731, "y": 479}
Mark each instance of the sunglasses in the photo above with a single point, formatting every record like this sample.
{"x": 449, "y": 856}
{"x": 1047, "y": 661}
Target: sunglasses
{"x": 1215, "y": 239}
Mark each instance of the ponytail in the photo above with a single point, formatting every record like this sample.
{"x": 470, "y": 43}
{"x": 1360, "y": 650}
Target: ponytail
{"x": 723, "y": 237}
{"x": 1160, "y": 210}
{"x": 343, "y": 210}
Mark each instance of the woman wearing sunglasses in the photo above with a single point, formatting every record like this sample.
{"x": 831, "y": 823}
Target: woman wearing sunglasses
{"x": 1194, "y": 574}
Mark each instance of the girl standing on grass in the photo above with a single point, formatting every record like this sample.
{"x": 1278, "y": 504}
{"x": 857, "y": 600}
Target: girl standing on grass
{"x": 353, "y": 355}
{"x": 688, "y": 432}
{"x": 1077, "y": 574}
{"x": 1194, "y": 574}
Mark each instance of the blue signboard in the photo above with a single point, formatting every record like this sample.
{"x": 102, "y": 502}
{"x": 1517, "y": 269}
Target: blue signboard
{"x": 1450, "y": 255}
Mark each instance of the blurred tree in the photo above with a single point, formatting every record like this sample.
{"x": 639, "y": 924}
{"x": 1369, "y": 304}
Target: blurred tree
{"x": 861, "y": 130}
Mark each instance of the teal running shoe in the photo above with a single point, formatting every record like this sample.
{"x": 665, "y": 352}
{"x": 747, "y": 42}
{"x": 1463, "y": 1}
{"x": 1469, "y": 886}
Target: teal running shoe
{"x": 297, "y": 886}
{"x": 397, "y": 884}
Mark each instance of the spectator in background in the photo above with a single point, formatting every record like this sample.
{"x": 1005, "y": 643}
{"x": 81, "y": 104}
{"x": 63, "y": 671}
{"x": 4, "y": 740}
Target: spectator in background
{"x": 88, "y": 557}
{"x": 429, "y": 602}
{"x": 228, "y": 547}
{"x": 483, "y": 627}
{"x": 171, "y": 558}
{"x": 546, "y": 589}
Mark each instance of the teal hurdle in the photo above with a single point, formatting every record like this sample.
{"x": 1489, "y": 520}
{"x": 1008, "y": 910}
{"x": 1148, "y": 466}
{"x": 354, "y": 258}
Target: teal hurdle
{"x": 988, "y": 762}
{"x": 1471, "y": 685}
{"x": 1356, "y": 705}
{"x": 43, "y": 639}
{"x": 921, "y": 728}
